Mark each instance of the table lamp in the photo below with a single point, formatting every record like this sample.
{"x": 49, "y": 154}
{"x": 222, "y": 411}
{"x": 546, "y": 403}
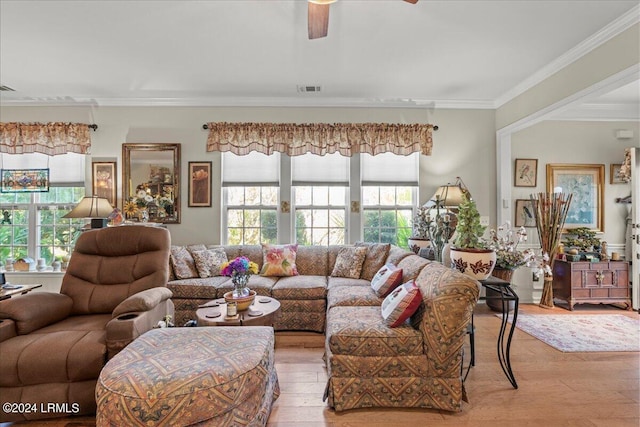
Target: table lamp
{"x": 94, "y": 207}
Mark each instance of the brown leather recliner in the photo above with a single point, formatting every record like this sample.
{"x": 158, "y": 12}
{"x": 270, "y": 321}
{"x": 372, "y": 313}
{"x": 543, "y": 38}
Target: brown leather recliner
{"x": 53, "y": 346}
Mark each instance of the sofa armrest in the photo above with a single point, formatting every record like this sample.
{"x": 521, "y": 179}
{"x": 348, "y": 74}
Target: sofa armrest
{"x": 128, "y": 324}
{"x": 36, "y": 310}
{"x": 449, "y": 298}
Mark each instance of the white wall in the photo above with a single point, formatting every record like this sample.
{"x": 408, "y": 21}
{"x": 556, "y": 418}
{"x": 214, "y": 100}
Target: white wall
{"x": 464, "y": 146}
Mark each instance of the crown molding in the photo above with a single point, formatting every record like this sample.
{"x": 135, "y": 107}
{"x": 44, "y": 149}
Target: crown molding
{"x": 605, "y": 34}
{"x": 598, "y": 112}
{"x": 15, "y": 101}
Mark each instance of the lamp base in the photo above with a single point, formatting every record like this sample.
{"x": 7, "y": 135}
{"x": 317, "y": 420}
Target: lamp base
{"x": 98, "y": 222}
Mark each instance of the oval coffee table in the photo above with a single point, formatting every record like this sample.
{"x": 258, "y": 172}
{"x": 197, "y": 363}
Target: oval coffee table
{"x": 261, "y": 313}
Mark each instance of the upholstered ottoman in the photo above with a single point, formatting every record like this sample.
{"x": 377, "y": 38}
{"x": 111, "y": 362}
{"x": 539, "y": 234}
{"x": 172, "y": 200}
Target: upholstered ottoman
{"x": 222, "y": 376}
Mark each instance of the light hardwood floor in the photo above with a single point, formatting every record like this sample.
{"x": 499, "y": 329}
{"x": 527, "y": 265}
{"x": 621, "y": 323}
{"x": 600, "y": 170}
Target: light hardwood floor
{"x": 555, "y": 389}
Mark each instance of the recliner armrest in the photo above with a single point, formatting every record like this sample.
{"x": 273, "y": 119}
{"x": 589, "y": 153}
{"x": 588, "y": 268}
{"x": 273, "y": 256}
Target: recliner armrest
{"x": 142, "y": 301}
{"x": 135, "y": 316}
{"x": 36, "y": 310}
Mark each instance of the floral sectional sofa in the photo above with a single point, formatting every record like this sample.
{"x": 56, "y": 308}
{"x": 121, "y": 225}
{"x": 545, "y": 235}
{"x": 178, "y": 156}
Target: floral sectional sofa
{"x": 417, "y": 363}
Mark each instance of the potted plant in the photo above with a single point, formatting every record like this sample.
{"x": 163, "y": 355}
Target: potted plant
{"x": 469, "y": 253}
{"x": 420, "y": 236}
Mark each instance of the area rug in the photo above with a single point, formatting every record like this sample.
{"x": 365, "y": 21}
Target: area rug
{"x": 583, "y": 333}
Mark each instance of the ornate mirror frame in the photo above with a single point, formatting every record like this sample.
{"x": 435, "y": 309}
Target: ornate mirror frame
{"x": 154, "y": 169}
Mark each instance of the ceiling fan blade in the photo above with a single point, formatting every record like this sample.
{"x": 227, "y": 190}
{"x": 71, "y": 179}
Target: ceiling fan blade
{"x": 318, "y": 20}
{"x": 411, "y": 1}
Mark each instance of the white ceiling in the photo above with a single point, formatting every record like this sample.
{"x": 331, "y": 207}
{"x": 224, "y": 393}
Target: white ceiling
{"x": 435, "y": 54}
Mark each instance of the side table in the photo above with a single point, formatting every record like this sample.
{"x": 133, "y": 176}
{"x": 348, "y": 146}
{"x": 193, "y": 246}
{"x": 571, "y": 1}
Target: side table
{"x": 505, "y": 293}
{"x": 9, "y": 290}
{"x": 260, "y": 313}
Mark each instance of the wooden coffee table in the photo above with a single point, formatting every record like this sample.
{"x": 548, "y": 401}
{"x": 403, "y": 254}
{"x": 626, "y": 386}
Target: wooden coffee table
{"x": 261, "y": 313}
{"x": 10, "y": 290}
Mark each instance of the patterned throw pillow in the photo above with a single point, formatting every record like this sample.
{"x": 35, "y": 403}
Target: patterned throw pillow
{"x": 209, "y": 261}
{"x": 386, "y": 279}
{"x": 279, "y": 260}
{"x": 401, "y": 303}
{"x": 349, "y": 262}
{"x": 184, "y": 267}
{"x": 377, "y": 254}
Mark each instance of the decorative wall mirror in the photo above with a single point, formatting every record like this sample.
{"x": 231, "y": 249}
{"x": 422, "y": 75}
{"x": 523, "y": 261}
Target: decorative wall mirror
{"x": 151, "y": 184}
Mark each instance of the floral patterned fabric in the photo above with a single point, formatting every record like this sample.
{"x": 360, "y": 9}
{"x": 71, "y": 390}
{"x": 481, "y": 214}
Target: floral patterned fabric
{"x": 184, "y": 267}
{"x": 411, "y": 266}
{"x": 208, "y": 262}
{"x": 279, "y": 260}
{"x": 377, "y": 254}
{"x": 46, "y": 138}
{"x": 349, "y": 262}
{"x": 296, "y": 139}
{"x": 222, "y": 376}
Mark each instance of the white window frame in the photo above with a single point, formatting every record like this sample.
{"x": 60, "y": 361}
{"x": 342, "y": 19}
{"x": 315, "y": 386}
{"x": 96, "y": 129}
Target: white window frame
{"x": 226, "y": 207}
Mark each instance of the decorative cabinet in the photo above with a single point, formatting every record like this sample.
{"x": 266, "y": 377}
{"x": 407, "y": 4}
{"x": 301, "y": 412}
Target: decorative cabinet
{"x": 591, "y": 282}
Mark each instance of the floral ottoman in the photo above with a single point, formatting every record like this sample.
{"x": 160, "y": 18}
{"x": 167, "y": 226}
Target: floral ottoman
{"x": 223, "y": 376}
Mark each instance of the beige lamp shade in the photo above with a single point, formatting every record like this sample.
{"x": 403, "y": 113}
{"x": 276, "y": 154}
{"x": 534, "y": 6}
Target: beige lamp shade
{"x": 450, "y": 195}
{"x": 93, "y": 207}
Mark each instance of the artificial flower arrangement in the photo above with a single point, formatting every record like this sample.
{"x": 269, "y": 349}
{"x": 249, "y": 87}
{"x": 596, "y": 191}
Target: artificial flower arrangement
{"x": 142, "y": 199}
{"x": 505, "y": 241}
{"x": 239, "y": 269}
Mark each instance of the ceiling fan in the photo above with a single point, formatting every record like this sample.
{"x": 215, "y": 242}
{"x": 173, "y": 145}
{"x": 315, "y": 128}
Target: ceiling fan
{"x": 318, "y": 17}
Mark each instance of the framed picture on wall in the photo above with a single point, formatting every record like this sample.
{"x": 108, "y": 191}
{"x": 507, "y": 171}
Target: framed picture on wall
{"x": 526, "y": 173}
{"x": 525, "y": 216}
{"x": 199, "y": 184}
{"x": 104, "y": 181}
{"x": 614, "y": 174}
{"x": 586, "y": 185}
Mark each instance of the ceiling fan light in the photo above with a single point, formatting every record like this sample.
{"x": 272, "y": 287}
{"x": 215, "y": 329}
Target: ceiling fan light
{"x": 322, "y": 1}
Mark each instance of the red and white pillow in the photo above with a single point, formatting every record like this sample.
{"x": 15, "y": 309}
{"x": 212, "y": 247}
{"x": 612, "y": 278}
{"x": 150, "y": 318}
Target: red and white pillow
{"x": 401, "y": 303}
{"x": 386, "y": 279}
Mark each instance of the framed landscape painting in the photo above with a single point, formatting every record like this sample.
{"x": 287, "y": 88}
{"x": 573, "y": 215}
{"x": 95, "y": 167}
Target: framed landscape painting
{"x": 526, "y": 173}
{"x": 586, "y": 185}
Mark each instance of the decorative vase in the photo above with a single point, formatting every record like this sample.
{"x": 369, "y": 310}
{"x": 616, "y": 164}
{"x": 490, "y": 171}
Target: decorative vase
{"x": 144, "y": 215}
{"x": 446, "y": 255}
{"x": 240, "y": 289}
{"x": 493, "y": 297}
{"x": 476, "y": 263}
{"x": 417, "y": 243}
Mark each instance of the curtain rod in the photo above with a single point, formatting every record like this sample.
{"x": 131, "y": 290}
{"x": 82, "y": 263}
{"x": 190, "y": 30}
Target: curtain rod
{"x": 206, "y": 127}
{"x": 93, "y": 126}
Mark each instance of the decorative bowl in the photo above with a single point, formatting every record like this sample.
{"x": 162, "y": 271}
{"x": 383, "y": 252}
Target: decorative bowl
{"x": 243, "y": 302}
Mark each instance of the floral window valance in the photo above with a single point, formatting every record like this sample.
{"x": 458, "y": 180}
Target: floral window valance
{"x": 46, "y": 138}
{"x": 320, "y": 138}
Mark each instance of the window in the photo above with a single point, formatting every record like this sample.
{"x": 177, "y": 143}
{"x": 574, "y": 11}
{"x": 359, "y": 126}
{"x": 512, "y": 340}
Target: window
{"x": 320, "y": 188}
{"x": 250, "y": 198}
{"x": 320, "y": 215}
{"x": 389, "y": 193}
{"x": 251, "y": 215}
{"x": 31, "y": 224}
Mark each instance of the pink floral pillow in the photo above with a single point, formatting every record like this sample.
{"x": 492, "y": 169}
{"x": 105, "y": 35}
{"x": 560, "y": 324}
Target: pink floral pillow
{"x": 386, "y": 280}
{"x": 401, "y": 303}
{"x": 279, "y": 260}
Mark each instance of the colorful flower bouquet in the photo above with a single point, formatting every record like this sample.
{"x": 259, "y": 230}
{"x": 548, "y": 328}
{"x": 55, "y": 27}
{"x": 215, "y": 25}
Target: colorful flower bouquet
{"x": 239, "y": 269}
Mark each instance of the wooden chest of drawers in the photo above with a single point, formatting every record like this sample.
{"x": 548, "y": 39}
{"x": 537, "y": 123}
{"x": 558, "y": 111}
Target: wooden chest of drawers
{"x": 591, "y": 282}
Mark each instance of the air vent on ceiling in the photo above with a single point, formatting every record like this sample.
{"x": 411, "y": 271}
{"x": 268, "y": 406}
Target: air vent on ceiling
{"x": 4, "y": 88}
{"x": 307, "y": 88}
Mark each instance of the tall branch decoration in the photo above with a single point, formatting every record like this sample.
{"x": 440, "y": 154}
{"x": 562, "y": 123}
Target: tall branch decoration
{"x": 550, "y": 212}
